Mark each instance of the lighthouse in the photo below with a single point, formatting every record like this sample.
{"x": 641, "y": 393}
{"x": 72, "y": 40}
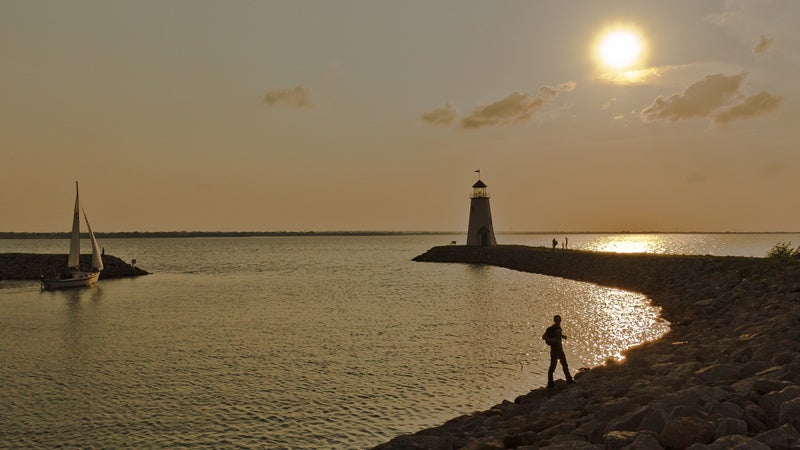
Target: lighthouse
{"x": 481, "y": 231}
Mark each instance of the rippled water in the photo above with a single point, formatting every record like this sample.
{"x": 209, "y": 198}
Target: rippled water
{"x": 295, "y": 342}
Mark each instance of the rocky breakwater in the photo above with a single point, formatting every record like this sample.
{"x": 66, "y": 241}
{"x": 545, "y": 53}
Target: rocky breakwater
{"x": 31, "y": 266}
{"x": 727, "y": 375}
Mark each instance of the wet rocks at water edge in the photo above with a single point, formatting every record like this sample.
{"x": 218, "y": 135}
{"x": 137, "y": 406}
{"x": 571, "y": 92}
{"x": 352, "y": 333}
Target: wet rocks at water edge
{"x": 727, "y": 375}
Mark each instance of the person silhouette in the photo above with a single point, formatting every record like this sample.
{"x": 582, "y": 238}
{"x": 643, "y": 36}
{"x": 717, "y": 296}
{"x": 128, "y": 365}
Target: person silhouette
{"x": 552, "y": 337}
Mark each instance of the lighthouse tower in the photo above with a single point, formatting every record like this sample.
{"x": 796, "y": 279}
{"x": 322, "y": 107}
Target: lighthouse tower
{"x": 481, "y": 231}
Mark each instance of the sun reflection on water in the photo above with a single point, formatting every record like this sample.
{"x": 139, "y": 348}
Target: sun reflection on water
{"x": 630, "y": 243}
{"x": 611, "y": 320}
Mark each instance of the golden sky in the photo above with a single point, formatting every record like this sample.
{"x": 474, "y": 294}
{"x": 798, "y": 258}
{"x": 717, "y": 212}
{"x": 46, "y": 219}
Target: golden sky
{"x": 364, "y": 115}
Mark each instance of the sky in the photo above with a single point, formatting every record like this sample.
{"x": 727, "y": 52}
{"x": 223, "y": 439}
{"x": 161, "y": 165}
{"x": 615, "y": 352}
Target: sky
{"x": 375, "y": 115}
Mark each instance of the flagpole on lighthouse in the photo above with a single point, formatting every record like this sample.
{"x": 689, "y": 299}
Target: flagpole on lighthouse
{"x": 479, "y": 173}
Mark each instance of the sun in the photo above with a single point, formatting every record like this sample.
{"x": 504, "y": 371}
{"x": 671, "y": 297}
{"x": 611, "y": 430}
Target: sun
{"x": 619, "y": 47}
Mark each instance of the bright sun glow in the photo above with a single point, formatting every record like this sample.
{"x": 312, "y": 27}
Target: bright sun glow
{"x": 620, "y": 52}
{"x": 620, "y": 49}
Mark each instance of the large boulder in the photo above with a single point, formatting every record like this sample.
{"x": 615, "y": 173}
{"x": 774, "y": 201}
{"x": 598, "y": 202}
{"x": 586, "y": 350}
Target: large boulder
{"x": 732, "y": 442}
{"x": 728, "y": 427}
{"x": 771, "y": 402}
{"x": 719, "y": 373}
{"x": 789, "y": 413}
{"x": 644, "y": 441}
{"x": 780, "y": 438}
{"x": 681, "y": 432}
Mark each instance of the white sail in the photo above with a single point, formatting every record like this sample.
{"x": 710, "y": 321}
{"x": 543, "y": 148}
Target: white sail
{"x": 97, "y": 258}
{"x": 74, "y": 261}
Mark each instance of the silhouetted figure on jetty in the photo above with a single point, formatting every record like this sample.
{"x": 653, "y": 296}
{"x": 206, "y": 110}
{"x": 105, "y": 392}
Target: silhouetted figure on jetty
{"x": 553, "y": 336}
{"x": 555, "y": 244}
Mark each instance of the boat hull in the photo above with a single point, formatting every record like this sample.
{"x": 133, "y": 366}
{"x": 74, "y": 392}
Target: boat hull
{"x": 75, "y": 279}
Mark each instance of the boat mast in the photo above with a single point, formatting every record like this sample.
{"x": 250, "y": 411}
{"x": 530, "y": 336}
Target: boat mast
{"x": 74, "y": 261}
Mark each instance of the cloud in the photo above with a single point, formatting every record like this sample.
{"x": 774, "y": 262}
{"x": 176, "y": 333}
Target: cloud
{"x": 700, "y": 99}
{"x": 632, "y": 76}
{"x": 298, "y": 96}
{"x": 516, "y": 107}
{"x": 443, "y": 115}
{"x": 761, "y": 103}
{"x": 762, "y": 45}
{"x": 712, "y": 97}
{"x": 608, "y": 104}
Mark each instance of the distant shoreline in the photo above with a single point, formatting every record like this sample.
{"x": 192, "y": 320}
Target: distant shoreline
{"x": 202, "y": 234}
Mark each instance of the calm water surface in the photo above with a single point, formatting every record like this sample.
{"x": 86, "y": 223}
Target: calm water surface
{"x": 299, "y": 342}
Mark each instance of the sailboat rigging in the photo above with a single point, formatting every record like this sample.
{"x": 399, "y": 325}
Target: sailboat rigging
{"x": 74, "y": 276}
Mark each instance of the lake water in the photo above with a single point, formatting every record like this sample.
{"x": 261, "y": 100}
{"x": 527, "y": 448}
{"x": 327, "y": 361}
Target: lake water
{"x": 300, "y": 342}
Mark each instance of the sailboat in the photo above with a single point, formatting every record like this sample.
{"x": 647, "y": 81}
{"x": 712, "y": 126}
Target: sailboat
{"x": 74, "y": 276}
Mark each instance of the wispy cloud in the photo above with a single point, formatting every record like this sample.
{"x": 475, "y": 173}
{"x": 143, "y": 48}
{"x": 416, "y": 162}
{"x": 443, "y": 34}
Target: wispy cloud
{"x": 516, "y": 107}
{"x": 761, "y": 103}
{"x": 631, "y": 77}
{"x": 763, "y": 44}
{"x": 298, "y": 96}
{"x": 698, "y": 100}
{"x": 714, "y": 97}
{"x": 443, "y": 115}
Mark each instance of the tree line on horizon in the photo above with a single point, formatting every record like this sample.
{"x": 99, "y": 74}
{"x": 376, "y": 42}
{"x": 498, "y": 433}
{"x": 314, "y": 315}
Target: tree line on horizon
{"x": 185, "y": 234}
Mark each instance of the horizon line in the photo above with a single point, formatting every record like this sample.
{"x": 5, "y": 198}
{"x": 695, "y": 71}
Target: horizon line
{"x": 197, "y": 233}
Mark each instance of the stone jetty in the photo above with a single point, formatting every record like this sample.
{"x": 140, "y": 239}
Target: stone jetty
{"x": 31, "y": 266}
{"x": 727, "y": 375}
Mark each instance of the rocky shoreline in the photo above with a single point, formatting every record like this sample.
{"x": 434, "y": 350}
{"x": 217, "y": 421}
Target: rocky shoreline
{"x": 31, "y": 266}
{"x": 727, "y": 375}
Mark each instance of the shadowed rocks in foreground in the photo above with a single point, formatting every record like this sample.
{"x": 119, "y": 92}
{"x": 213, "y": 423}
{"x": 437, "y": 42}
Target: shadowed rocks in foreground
{"x": 30, "y": 266}
{"x": 726, "y": 375}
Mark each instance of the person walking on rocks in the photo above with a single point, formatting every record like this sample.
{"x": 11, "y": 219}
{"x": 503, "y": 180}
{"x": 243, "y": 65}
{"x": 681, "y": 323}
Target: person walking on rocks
{"x": 552, "y": 337}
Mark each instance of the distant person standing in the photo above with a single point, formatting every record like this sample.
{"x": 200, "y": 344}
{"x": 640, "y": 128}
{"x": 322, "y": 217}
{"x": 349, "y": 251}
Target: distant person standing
{"x": 555, "y": 244}
{"x": 552, "y": 337}
{"x": 566, "y": 242}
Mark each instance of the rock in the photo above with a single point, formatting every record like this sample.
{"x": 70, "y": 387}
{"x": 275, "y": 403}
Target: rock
{"x": 780, "y": 438}
{"x": 629, "y": 421}
{"x": 615, "y": 440}
{"x": 732, "y": 442}
{"x": 790, "y": 413}
{"x": 728, "y": 410}
{"x": 764, "y": 386}
{"x": 644, "y": 441}
{"x": 772, "y": 401}
{"x": 682, "y": 432}
{"x": 719, "y": 373}
{"x": 570, "y": 445}
{"x": 688, "y": 411}
{"x": 562, "y": 403}
{"x": 487, "y": 444}
{"x": 520, "y": 439}
{"x": 654, "y": 421}
{"x": 417, "y": 442}
{"x": 728, "y": 427}
{"x": 756, "y": 418}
